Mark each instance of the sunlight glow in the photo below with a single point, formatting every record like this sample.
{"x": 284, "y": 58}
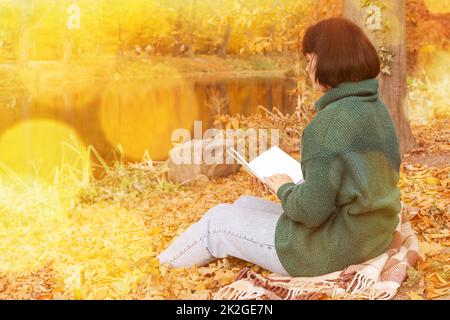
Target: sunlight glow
{"x": 41, "y": 151}
{"x": 434, "y": 62}
{"x": 438, "y": 6}
{"x": 139, "y": 116}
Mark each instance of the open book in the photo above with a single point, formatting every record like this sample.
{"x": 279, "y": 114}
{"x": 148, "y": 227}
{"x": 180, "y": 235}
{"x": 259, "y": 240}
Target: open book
{"x": 270, "y": 162}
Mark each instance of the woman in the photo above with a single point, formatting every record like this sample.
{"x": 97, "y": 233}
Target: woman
{"x": 347, "y": 209}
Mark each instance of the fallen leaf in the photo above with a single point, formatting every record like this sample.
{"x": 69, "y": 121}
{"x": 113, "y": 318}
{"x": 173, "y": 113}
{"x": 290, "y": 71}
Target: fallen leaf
{"x": 414, "y": 296}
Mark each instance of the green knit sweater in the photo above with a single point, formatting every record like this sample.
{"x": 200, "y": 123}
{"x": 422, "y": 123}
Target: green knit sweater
{"x": 346, "y": 210}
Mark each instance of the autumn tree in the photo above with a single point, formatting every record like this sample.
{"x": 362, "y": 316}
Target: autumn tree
{"x": 385, "y": 23}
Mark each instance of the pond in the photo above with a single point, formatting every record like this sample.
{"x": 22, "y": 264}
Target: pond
{"x": 135, "y": 114}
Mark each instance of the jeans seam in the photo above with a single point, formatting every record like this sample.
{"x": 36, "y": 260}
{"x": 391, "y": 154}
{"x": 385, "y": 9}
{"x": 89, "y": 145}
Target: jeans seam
{"x": 191, "y": 245}
{"x": 271, "y": 247}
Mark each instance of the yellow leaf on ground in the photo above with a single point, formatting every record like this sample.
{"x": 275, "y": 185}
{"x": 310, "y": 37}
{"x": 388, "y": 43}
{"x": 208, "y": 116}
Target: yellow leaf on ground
{"x": 101, "y": 293}
{"x": 431, "y": 181}
{"x": 429, "y": 248}
{"x": 414, "y": 296}
{"x": 78, "y": 294}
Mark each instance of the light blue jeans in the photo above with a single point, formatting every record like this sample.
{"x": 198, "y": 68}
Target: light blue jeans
{"x": 244, "y": 229}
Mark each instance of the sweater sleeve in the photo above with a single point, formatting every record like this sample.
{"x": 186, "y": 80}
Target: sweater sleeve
{"x": 312, "y": 202}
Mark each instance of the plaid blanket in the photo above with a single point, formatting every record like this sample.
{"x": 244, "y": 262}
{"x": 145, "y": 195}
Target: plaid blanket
{"x": 376, "y": 279}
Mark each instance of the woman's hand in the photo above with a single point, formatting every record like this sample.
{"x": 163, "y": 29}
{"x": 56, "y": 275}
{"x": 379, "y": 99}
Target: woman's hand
{"x": 276, "y": 181}
{"x": 261, "y": 186}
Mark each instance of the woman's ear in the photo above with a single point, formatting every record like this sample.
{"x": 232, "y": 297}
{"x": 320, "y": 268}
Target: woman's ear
{"x": 311, "y": 69}
{"x": 309, "y": 58}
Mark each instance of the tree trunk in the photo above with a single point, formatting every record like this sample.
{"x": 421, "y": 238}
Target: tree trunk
{"x": 393, "y": 87}
{"x": 223, "y": 50}
{"x": 25, "y": 36}
{"x": 190, "y": 47}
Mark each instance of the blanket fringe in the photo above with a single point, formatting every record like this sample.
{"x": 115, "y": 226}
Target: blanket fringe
{"x": 376, "y": 279}
{"x": 360, "y": 286}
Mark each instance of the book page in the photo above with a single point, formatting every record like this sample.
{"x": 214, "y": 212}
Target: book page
{"x": 276, "y": 161}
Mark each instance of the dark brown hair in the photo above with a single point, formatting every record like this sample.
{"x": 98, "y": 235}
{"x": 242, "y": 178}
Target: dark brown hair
{"x": 344, "y": 53}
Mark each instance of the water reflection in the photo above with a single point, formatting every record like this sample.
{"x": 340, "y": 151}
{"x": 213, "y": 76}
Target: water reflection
{"x": 140, "y": 114}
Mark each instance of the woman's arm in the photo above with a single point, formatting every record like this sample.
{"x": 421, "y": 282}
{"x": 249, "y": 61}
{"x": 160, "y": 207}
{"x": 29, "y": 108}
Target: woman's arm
{"x": 313, "y": 201}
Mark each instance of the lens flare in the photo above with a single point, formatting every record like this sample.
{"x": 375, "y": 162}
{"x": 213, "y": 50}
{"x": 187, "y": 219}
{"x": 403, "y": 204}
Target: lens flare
{"x": 142, "y": 116}
{"x": 438, "y": 6}
{"x": 43, "y": 151}
{"x": 434, "y": 62}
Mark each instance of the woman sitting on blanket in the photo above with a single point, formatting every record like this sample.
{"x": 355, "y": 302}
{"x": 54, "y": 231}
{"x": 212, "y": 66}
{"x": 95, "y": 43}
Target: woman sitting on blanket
{"x": 347, "y": 209}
